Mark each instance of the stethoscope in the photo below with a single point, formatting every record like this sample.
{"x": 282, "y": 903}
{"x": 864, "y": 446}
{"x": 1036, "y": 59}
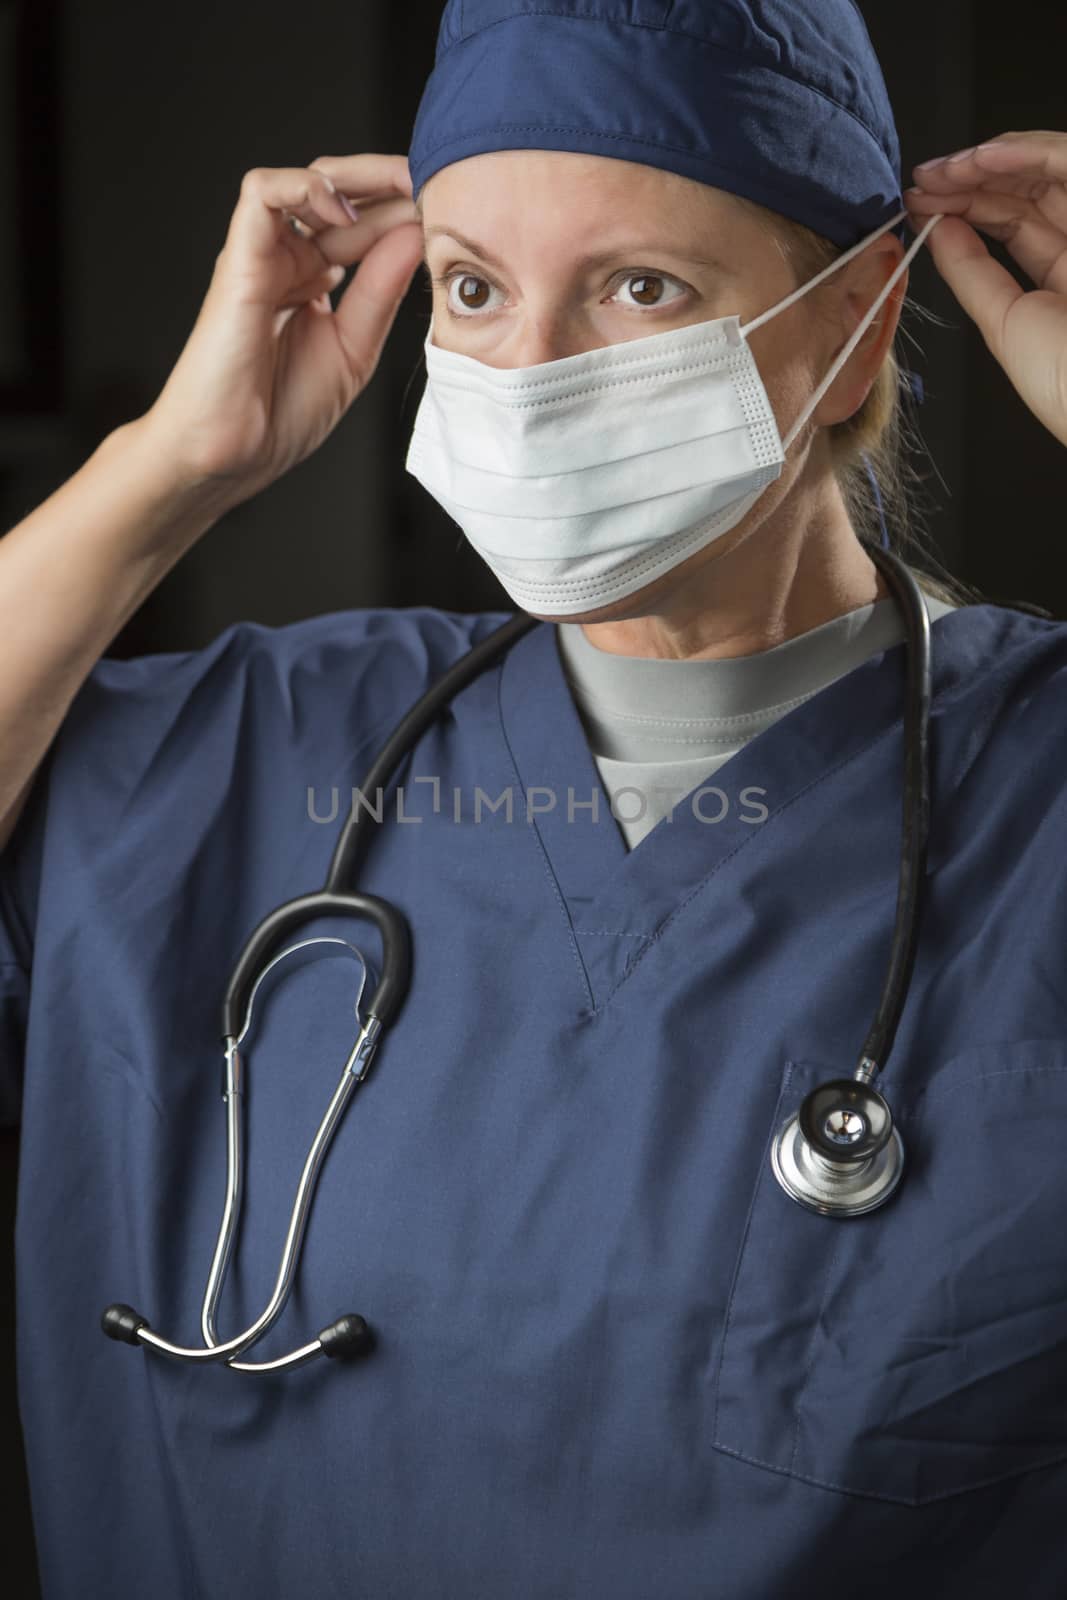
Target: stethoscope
{"x": 839, "y": 1154}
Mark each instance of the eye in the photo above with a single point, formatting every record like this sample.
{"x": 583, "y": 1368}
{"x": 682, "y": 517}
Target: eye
{"x": 646, "y": 282}
{"x": 471, "y": 298}
{"x": 472, "y": 290}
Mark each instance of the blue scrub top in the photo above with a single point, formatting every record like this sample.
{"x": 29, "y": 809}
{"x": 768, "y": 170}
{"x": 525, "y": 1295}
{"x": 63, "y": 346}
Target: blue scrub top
{"x": 614, "y": 1359}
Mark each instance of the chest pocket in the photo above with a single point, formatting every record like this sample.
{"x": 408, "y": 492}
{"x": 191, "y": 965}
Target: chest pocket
{"x": 919, "y": 1351}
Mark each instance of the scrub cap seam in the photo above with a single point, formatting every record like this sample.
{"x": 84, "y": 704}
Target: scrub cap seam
{"x": 600, "y": 133}
{"x": 708, "y": 44}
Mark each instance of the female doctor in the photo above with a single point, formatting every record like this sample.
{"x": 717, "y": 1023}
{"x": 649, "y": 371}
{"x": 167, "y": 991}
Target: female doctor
{"x": 609, "y": 1346}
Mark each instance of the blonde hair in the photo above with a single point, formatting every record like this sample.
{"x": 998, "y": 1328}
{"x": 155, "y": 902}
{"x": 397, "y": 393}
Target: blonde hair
{"x": 880, "y": 429}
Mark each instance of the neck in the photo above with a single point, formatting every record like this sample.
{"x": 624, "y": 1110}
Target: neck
{"x": 756, "y": 588}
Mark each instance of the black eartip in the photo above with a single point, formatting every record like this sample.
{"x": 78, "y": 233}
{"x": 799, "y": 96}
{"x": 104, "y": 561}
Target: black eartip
{"x": 347, "y": 1338}
{"x": 122, "y": 1322}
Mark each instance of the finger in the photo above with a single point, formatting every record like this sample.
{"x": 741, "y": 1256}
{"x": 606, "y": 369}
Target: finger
{"x": 1046, "y": 201}
{"x": 366, "y": 310}
{"x": 986, "y": 290}
{"x": 968, "y": 174}
{"x": 322, "y": 208}
{"x": 1038, "y": 154}
{"x": 351, "y": 243}
{"x": 965, "y": 174}
{"x": 321, "y": 304}
{"x": 367, "y": 174}
{"x": 1028, "y": 163}
{"x": 1038, "y": 245}
{"x": 314, "y": 288}
{"x": 314, "y": 294}
{"x": 267, "y": 192}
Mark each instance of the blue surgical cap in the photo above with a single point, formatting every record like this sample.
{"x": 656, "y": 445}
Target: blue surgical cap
{"x": 781, "y": 101}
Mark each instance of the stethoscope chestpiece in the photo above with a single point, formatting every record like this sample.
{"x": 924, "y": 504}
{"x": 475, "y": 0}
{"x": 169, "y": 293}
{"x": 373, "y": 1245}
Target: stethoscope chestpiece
{"x": 840, "y": 1154}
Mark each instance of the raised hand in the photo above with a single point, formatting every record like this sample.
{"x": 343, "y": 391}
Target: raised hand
{"x": 270, "y": 367}
{"x": 1014, "y": 189}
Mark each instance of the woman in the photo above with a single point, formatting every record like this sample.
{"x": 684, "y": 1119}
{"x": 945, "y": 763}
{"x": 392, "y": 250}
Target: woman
{"x": 611, "y": 1355}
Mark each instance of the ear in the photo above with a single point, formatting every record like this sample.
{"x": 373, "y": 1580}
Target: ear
{"x": 862, "y": 283}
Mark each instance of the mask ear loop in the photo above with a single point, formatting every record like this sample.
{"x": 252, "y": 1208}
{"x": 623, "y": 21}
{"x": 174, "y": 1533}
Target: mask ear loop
{"x": 868, "y": 318}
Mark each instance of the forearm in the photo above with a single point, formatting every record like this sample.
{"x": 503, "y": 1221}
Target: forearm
{"x": 71, "y": 574}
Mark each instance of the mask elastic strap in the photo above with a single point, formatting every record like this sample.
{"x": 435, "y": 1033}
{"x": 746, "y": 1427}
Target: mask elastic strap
{"x": 843, "y": 356}
{"x": 797, "y": 294}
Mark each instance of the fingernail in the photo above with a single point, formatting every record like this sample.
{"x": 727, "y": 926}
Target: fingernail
{"x": 939, "y": 161}
{"x": 350, "y": 210}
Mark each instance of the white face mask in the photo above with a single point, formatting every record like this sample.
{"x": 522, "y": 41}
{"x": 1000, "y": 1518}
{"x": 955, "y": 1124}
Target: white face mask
{"x": 581, "y": 480}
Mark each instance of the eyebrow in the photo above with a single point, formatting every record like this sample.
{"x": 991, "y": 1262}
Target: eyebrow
{"x": 597, "y": 259}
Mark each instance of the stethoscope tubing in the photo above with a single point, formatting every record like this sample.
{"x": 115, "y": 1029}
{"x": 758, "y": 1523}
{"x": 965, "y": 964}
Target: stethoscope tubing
{"x": 349, "y": 1335}
{"x": 916, "y": 811}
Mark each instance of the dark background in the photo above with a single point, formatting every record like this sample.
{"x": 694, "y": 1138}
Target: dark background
{"x": 126, "y": 134}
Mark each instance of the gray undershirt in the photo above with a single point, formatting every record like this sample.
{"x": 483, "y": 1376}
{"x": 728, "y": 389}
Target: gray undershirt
{"x": 670, "y": 725}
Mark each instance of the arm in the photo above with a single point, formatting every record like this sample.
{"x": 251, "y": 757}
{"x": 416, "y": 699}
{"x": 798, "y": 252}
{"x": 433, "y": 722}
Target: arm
{"x": 267, "y": 373}
{"x": 71, "y": 574}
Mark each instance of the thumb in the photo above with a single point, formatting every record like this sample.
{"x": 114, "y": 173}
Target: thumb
{"x": 368, "y": 307}
{"x": 984, "y": 288}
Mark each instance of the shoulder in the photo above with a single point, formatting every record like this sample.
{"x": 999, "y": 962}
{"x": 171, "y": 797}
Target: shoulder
{"x": 999, "y": 718}
{"x": 185, "y": 736}
{"x": 373, "y": 656}
{"x": 255, "y": 692}
{"x": 259, "y": 698}
{"x": 996, "y": 653}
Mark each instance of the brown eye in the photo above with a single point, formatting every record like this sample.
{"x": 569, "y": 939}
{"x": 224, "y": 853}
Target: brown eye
{"x": 469, "y": 296}
{"x": 642, "y": 288}
{"x": 649, "y": 290}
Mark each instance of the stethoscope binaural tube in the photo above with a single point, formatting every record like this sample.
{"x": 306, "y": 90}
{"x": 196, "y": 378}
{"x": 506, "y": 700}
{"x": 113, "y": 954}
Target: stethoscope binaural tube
{"x": 840, "y": 1153}
{"x": 349, "y": 1336}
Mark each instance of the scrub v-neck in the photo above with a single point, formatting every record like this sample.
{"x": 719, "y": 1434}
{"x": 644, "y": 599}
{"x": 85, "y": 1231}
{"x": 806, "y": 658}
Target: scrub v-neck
{"x": 616, "y": 900}
{"x": 658, "y": 729}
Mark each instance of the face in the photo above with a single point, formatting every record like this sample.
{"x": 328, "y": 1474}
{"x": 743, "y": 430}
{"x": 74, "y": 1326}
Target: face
{"x": 535, "y": 255}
